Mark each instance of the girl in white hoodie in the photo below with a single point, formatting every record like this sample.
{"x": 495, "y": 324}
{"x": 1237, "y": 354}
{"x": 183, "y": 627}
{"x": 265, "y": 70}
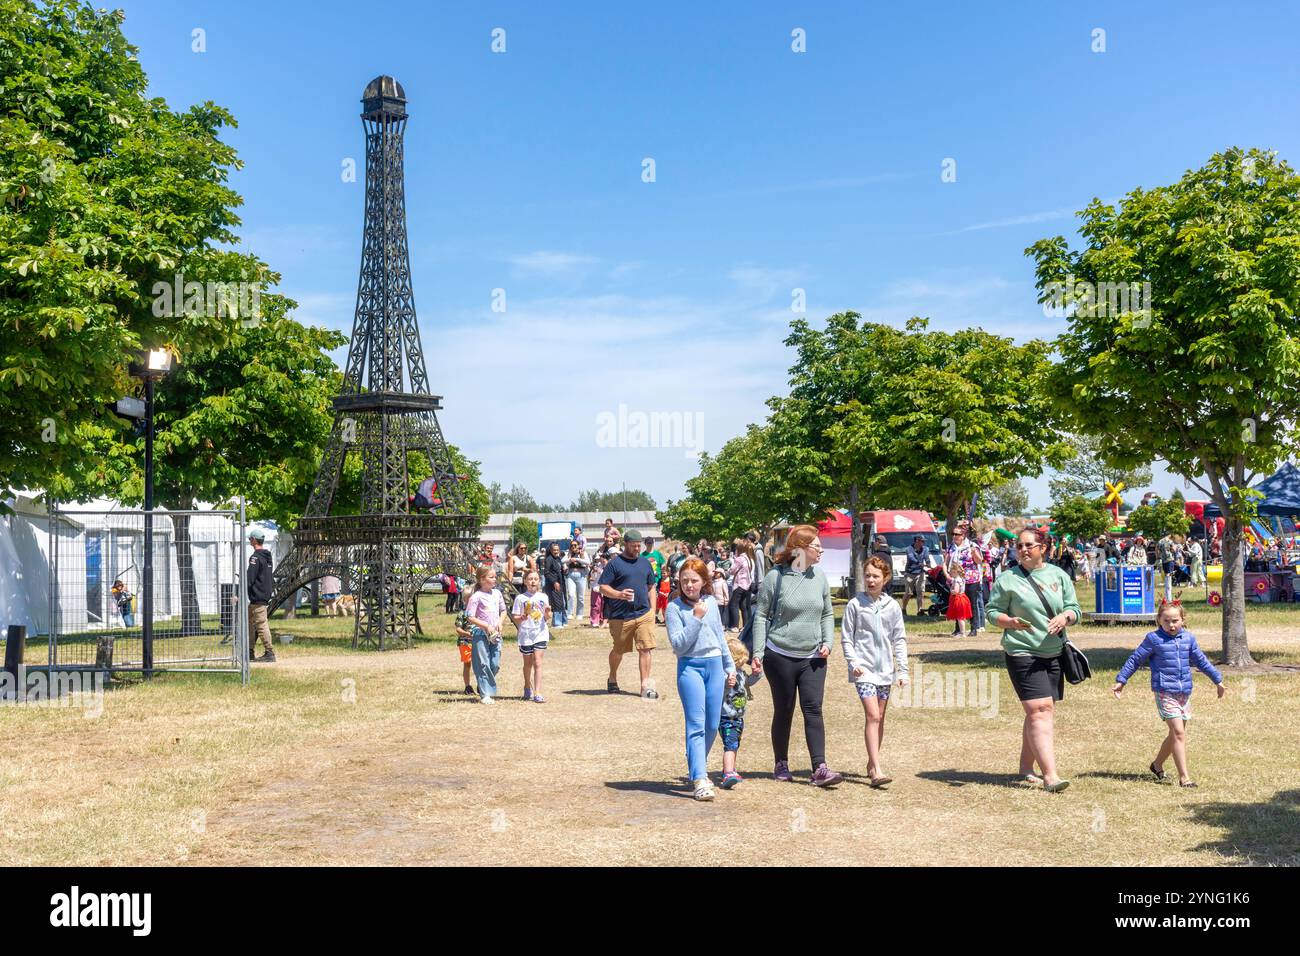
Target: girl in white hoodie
{"x": 875, "y": 648}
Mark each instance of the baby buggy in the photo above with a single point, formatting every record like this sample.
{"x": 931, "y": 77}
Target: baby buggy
{"x": 939, "y": 603}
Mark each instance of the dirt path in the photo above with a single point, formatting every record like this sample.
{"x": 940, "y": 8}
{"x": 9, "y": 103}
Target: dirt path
{"x": 593, "y": 778}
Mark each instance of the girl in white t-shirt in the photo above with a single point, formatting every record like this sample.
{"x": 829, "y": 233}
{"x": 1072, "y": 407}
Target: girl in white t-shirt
{"x": 531, "y": 614}
{"x": 486, "y": 614}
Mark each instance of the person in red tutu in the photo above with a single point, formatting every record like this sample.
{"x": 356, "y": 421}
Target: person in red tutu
{"x": 959, "y": 606}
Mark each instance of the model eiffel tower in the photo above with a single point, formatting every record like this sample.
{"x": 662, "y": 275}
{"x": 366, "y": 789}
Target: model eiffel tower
{"x": 387, "y": 551}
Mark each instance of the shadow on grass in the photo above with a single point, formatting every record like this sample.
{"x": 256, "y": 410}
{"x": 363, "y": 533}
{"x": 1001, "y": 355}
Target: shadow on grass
{"x": 960, "y": 778}
{"x": 662, "y": 788}
{"x": 1144, "y": 777}
{"x": 1102, "y": 659}
{"x": 1265, "y": 834}
{"x": 455, "y": 697}
{"x": 963, "y": 658}
{"x": 600, "y": 692}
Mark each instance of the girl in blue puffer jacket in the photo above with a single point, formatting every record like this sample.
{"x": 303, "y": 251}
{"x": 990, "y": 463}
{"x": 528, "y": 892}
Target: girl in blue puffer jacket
{"x": 1172, "y": 651}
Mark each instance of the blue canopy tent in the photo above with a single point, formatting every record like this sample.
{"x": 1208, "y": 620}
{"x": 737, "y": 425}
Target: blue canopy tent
{"x": 1281, "y": 492}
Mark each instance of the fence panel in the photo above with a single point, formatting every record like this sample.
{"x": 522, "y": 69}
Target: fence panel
{"x": 97, "y": 590}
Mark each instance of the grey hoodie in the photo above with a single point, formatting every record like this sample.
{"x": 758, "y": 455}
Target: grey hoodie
{"x": 873, "y": 638}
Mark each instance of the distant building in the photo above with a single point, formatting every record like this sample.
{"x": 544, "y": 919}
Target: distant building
{"x": 497, "y": 529}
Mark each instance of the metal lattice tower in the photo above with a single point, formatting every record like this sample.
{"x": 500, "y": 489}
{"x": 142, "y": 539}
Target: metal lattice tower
{"x": 385, "y": 413}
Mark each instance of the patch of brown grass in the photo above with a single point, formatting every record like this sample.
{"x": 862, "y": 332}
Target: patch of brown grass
{"x": 336, "y": 757}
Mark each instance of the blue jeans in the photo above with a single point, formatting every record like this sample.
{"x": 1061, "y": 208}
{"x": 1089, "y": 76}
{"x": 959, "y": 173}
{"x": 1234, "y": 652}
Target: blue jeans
{"x": 487, "y": 661}
{"x": 700, "y": 683}
{"x": 976, "y": 594}
{"x": 575, "y": 587}
{"x": 559, "y": 605}
{"x": 128, "y": 619}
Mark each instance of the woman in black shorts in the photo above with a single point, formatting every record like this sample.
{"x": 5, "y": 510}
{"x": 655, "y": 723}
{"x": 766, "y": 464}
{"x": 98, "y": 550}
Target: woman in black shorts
{"x": 1033, "y": 636}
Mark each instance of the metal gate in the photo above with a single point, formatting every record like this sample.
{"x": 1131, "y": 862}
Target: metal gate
{"x": 97, "y": 585}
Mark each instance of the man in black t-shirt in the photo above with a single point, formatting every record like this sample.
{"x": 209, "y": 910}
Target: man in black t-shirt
{"x": 626, "y": 586}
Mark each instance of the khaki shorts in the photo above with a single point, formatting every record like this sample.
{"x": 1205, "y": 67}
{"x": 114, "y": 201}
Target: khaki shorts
{"x": 638, "y": 632}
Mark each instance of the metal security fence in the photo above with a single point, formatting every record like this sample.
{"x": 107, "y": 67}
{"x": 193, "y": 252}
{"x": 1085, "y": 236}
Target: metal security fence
{"x": 97, "y": 584}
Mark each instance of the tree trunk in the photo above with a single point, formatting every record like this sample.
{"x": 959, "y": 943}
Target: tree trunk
{"x": 1236, "y": 652}
{"x": 191, "y": 619}
{"x": 855, "y": 545}
{"x": 951, "y": 505}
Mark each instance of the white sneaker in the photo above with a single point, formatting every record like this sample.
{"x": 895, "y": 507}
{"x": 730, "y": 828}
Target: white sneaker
{"x": 485, "y": 700}
{"x": 703, "y": 789}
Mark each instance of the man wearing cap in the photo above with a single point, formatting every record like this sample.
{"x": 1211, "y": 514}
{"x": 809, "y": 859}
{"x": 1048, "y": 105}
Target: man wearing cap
{"x": 261, "y": 582}
{"x": 626, "y": 585}
{"x": 919, "y": 560}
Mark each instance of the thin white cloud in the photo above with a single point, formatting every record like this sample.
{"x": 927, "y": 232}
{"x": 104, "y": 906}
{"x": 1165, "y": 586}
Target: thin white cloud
{"x": 1047, "y": 215}
{"x": 766, "y": 283}
{"x": 550, "y": 264}
{"x": 523, "y": 388}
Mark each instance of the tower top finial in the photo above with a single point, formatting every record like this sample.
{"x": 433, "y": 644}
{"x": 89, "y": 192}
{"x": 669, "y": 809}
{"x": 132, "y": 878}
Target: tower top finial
{"x": 384, "y": 94}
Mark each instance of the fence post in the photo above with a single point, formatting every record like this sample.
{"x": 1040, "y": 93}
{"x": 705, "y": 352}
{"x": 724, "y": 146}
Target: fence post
{"x": 241, "y": 589}
{"x": 52, "y": 577}
{"x": 15, "y": 644}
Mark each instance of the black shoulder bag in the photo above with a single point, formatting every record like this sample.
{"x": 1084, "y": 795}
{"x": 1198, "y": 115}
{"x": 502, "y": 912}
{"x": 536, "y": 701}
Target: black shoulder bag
{"x": 1074, "y": 664}
{"x": 747, "y": 632}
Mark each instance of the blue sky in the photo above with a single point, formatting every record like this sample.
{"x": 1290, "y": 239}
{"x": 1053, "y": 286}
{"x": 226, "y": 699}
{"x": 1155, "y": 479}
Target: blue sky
{"x": 774, "y": 170}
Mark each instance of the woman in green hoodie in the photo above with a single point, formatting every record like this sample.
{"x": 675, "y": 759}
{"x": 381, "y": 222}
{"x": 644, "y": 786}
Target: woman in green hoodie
{"x": 793, "y": 630}
{"x": 1034, "y": 622}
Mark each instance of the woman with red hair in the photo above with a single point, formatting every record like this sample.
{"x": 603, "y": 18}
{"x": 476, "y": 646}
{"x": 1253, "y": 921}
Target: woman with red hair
{"x": 794, "y": 625}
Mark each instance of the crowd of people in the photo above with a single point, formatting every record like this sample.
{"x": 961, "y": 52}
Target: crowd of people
{"x": 969, "y": 567}
{"x": 1025, "y": 588}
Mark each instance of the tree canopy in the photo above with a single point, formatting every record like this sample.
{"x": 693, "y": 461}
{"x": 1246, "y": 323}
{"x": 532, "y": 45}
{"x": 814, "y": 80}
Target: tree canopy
{"x": 1205, "y": 373}
{"x": 104, "y": 192}
{"x": 1084, "y": 474}
{"x": 1081, "y": 519}
{"x": 1007, "y": 498}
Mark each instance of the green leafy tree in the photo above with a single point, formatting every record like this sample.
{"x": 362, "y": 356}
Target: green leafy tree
{"x": 1079, "y": 518}
{"x": 751, "y": 484}
{"x": 525, "y": 530}
{"x": 1205, "y": 372}
{"x": 347, "y": 497}
{"x": 950, "y": 413}
{"x": 1154, "y": 521}
{"x": 1085, "y": 475}
{"x": 634, "y": 499}
{"x": 517, "y": 499}
{"x": 1008, "y": 498}
{"x": 105, "y": 193}
{"x": 248, "y": 419}
{"x": 833, "y": 369}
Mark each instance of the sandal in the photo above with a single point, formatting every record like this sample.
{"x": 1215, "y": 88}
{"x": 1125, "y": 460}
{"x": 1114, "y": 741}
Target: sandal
{"x": 1056, "y": 787}
{"x": 538, "y": 699}
{"x": 1033, "y": 778}
{"x": 611, "y": 687}
{"x": 1160, "y": 774}
{"x": 1189, "y": 783}
{"x": 879, "y": 783}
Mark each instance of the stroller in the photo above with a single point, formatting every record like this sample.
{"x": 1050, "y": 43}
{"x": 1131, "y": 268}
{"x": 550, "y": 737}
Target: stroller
{"x": 939, "y": 604}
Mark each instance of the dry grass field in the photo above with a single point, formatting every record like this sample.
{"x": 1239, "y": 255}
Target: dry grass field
{"x": 336, "y": 757}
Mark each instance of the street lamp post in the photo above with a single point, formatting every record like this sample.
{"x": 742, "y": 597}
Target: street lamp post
{"x": 156, "y": 363}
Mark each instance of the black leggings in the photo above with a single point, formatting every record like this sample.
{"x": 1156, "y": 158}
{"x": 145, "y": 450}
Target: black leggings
{"x": 806, "y": 677}
{"x": 739, "y": 600}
